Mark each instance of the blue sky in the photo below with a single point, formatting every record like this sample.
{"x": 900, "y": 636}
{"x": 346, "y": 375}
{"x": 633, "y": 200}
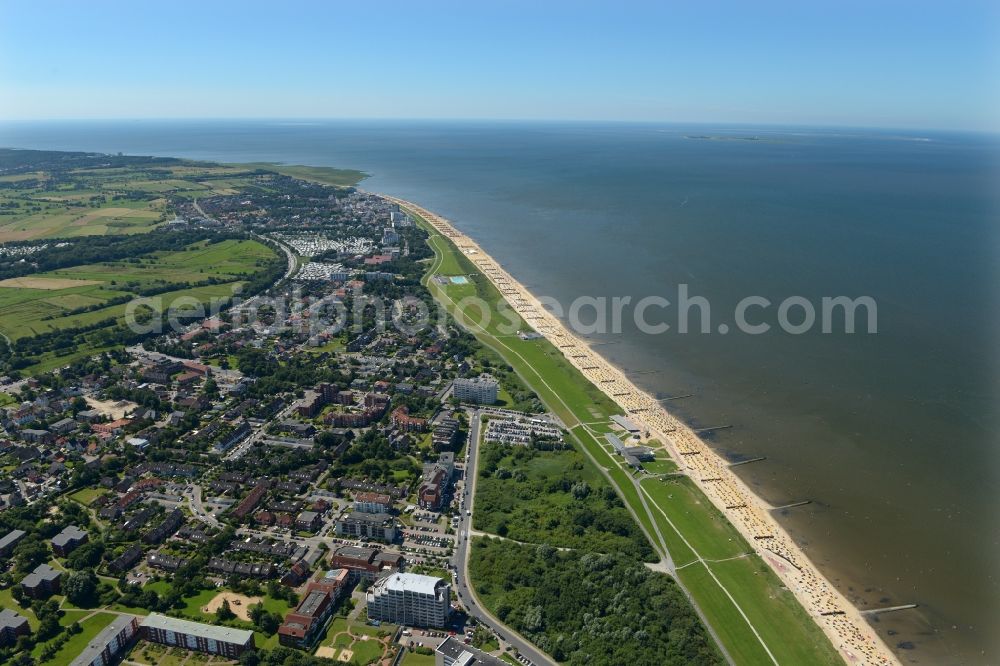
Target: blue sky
{"x": 885, "y": 64}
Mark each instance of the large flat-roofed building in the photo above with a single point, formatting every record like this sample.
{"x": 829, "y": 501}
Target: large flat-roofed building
{"x": 381, "y": 526}
{"x": 67, "y": 541}
{"x": 300, "y": 626}
{"x": 12, "y": 625}
{"x": 643, "y": 453}
{"x": 414, "y": 599}
{"x": 481, "y": 390}
{"x": 453, "y": 652}
{"x": 309, "y": 521}
{"x": 372, "y": 502}
{"x": 41, "y": 582}
{"x": 626, "y": 424}
{"x": 198, "y": 636}
{"x": 113, "y": 640}
{"x": 9, "y": 540}
{"x": 304, "y": 624}
{"x": 364, "y": 563}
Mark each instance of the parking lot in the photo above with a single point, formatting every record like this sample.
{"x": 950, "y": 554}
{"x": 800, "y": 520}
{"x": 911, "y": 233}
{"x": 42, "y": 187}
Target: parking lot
{"x": 427, "y": 533}
{"x": 429, "y": 639}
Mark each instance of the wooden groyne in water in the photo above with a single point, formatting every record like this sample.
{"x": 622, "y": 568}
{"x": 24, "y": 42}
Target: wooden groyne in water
{"x": 888, "y": 609}
{"x": 792, "y": 505}
{"x": 703, "y": 431}
{"x": 747, "y": 462}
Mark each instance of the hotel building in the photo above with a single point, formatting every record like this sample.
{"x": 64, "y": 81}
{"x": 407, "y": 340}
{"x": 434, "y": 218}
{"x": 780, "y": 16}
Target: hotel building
{"x": 413, "y": 599}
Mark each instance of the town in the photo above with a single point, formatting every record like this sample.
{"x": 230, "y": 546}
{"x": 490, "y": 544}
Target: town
{"x": 259, "y": 482}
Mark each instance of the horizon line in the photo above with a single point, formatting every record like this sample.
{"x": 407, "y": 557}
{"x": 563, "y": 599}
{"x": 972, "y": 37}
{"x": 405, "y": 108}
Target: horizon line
{"x": 726, "y": 125}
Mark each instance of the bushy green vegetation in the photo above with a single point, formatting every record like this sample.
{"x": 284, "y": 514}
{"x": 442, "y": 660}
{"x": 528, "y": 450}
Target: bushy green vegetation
{"x": 589, "y": 608}
{"x": 554, "y": 497}
{"x": 414, "y": 658}
{"x": 283, "y": 656}
{"x": 62, "y": 652}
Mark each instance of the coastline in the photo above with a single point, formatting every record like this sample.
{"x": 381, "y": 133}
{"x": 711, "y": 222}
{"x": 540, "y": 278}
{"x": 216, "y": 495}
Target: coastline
{"x": 849, "y": 632}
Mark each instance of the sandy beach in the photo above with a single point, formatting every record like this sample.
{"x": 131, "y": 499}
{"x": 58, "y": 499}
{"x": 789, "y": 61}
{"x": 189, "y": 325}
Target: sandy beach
{"x": 847, "y": 629}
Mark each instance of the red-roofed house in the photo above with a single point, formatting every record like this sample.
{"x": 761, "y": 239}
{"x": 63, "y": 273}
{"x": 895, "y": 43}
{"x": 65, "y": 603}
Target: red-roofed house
{"x": 401, "y": 419}
{"x": 110, "y": 428}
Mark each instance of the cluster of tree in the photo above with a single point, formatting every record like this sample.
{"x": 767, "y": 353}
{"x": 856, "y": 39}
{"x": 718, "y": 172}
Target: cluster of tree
{"x": 52, "y": 648}
{"x": 553, "y": 497}
{"x": 86, "y": 556}
{"x": 26, "y": 184}
{"x": 224, "y": 613}
{"x": 98, "y": 364}
{"x": 274, "y": 462}
{"x": 168, "y": 346}
{"x": 274, "y": 378}
{"x": 283, "y": 656}
{"x": 371, "y": 456}
{"x": 589, "y": 608}
{"x": 41, "y": 526}
{"x": 137, "y": 597}
{"x": 256, "y": 362}
{"x": 26, "y": 161}
{"x": 49, "y": 632}
{"x": 186, "y": 582}
{"x": 267, "y": 621}
{"x": 417, "y": 404}
{"x": 81, "y": 587}
{"x": 142, "y": 396}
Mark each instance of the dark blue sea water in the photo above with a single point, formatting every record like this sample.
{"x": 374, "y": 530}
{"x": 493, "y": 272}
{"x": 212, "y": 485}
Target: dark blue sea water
{"x": 893, "y": 436}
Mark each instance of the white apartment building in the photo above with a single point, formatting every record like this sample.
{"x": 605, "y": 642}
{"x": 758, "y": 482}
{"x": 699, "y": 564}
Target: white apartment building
{"x": 410, "y": 599}
{"x": 481, "y": 390}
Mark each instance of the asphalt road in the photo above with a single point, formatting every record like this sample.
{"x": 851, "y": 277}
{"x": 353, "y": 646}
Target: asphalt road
{"x": 466, "y": 596}
{"x": 258, "y": 434}
{"x": 198, "y": 509}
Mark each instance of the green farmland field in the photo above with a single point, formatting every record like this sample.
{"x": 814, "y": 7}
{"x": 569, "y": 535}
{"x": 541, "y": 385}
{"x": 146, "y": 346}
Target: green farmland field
{"x": 27, "y": 312}
{"x": 65, "y": 202}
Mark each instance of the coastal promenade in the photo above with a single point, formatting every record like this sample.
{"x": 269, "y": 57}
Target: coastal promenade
{"x": 842, "y": 622}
